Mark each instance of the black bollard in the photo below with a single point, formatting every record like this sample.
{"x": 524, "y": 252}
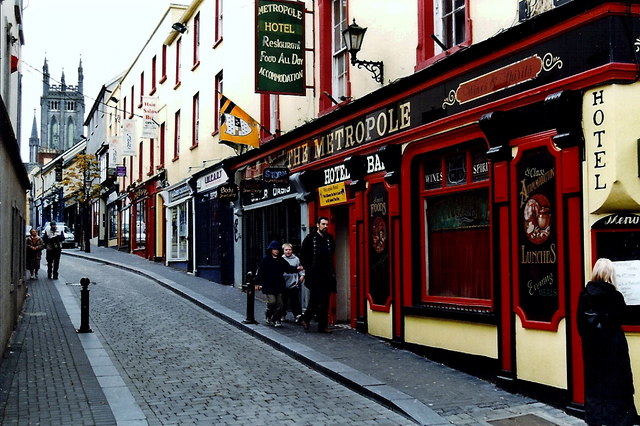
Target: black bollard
{"x": 84, "y": 307}
{"x": 251, "y": 290}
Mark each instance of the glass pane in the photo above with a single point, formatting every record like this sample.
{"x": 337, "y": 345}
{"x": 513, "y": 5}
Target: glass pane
{"x": 433, "y": 173}
{"x": 459, "y": 26}
{"x": 479, "y": 166}
{"x": 456, "y": 169}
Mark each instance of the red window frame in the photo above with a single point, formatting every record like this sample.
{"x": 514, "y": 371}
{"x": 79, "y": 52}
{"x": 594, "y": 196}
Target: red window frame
{"x": 216, "y": 109}
{"x": 140, "y": 158}
{"x": 141, "y": 88}
{"x": 162, "y": 144}
{"x": 426, "y": 52}
{"x": 218, "y": 22}
{"x": 154, "y": 65}
{"x": 195, "y": 120}
{"x": 152, "y": 148}
{"x": 196, "y": 40}
{"x": 176, "y": 136}
{"x": 441, "y": 191}
{"x": 178, "y": 48}
{"x": 163, "y": 77}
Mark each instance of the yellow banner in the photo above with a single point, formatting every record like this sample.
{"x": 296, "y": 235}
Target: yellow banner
{"x": 332, "y": 194}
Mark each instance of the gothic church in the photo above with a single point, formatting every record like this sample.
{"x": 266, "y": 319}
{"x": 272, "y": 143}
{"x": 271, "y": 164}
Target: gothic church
{"x": 61, "y": 117}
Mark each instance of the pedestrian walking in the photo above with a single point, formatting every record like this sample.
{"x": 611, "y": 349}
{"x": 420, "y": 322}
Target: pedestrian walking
{"x": 292, "y": 282}
{"x": 270, "y": 279}
{"x": 607, "y": 368}
{"x": 316, "y": 255}
{"x": 53, "y": 239}
{"x": 35, "y": 245}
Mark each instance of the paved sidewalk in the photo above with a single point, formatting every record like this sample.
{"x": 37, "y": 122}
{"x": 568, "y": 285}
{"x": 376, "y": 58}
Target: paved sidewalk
{"x": 425, "y": 391}
{"x": 45, "y": 375}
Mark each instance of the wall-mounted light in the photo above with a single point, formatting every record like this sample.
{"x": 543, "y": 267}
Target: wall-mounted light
{"x": 353, "y": 36}
{"x": 113, "y": 99}
{"x": 179, "y": 27}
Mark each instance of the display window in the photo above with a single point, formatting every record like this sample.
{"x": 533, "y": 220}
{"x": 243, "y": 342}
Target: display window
{"x": 113, "y": 221}
{"x": 141, "y": 224}
{"x": 179, "y": 227}
{"x": 456, "y": 227}
{"x": 124, "y": 226}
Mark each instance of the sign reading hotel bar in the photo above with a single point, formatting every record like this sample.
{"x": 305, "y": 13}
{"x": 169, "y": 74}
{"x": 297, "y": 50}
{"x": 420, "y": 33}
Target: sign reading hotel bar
{"x": 280, "y": 47}
{"x": 537, "y": 221}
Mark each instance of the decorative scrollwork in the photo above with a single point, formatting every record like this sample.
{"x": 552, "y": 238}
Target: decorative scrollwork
{"x": 637, "y": 45}
{"x": 549, "y": 62}
{"x": 450, "y": 99}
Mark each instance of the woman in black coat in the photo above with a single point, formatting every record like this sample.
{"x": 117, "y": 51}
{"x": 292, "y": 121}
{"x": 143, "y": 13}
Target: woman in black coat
{"x": 607, "y": 368}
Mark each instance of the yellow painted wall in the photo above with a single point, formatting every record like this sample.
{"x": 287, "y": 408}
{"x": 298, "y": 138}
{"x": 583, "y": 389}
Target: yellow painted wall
{"x": 380, "y": 323}
{"x": 459, "y": 336}
{"x": 541, "y": 356}
{"x": 634, "y": 351}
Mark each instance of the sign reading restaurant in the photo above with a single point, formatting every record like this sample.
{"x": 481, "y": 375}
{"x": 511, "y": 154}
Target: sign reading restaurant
{"x": 280, "y": 47}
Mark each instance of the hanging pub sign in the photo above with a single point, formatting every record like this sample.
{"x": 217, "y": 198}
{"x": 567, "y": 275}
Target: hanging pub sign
{"x": 278, "y": 176}
{"x": 121, "y": 171}
{"x": 228, "y": 191}
{"x": 251, "y": 186}
{"x": 537, "y": 222}
{"x": 280, "y": 47}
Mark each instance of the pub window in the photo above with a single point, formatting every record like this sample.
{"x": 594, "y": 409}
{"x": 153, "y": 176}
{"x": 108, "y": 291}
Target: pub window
{"x": 456, "y": 228}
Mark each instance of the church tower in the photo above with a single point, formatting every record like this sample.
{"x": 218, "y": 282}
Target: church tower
{"x": 61, "y": 114}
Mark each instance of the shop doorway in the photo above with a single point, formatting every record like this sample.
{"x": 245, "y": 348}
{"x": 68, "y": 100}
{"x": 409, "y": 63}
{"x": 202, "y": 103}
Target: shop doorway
{"x": 342, "y": 236}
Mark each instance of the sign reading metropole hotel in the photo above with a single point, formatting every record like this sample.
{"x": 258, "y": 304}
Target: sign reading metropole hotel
{"x": 280, "y": 47}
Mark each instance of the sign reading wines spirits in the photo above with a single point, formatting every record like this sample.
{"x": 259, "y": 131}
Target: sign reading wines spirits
{"x": 280, "y": 47}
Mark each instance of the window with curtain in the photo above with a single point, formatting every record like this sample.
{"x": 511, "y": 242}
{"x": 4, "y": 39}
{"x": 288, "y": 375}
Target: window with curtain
{"x": 456, "y": 227}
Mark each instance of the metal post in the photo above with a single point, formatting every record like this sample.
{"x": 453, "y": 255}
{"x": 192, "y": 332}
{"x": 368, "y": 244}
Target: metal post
{"x": 84, "y": 307}
{"x": 250, "y": 290}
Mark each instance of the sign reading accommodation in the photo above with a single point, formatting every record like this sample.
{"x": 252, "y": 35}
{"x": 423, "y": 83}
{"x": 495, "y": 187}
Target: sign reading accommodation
{"x": 280, "y": 47}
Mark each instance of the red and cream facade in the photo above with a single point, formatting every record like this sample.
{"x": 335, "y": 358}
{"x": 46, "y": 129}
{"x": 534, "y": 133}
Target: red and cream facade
{"x": 470, "y": 199}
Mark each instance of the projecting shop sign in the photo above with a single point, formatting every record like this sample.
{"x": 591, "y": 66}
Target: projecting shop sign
{"x": 280, "y": 47}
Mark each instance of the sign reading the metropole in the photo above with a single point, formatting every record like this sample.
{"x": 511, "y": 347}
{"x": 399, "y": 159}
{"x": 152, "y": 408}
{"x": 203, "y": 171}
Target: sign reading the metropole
{"x": 280, "y": 47}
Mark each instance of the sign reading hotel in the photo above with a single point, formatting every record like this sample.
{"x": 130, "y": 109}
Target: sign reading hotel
{"x": 280, "y": 47}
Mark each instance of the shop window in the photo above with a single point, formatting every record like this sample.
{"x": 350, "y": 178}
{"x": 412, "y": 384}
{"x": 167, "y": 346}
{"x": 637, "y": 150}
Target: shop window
{"x": 141, "y": 224}
{"x": 456, "y": 228}
{"x": 113, "y": 221}
{"x": 179, "y": 232}
{"x": 124, "y": 217}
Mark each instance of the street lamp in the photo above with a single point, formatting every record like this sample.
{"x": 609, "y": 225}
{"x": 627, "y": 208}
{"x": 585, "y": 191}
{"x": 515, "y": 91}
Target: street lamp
{"x": 353, "y": 36}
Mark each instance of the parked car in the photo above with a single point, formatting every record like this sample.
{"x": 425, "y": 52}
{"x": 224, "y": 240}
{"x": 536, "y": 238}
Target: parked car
{"x": 69, "y": 238}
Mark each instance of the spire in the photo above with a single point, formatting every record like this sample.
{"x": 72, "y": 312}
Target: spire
{"x": 34, "y": 127}
{"x": 34, "y": 142}
{"x": 62, "y": 83}
{"x": 45, "y": 77}
{"x": 80, "y": 77}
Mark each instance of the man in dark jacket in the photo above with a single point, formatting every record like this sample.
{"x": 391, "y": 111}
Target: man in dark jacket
{"x": 270, "y": 279}
{"x": 53, "y": 239}
{"x": 316, "y": 256}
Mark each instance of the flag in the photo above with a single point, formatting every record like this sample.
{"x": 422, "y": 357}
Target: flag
{"x": 236, "y": 126}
